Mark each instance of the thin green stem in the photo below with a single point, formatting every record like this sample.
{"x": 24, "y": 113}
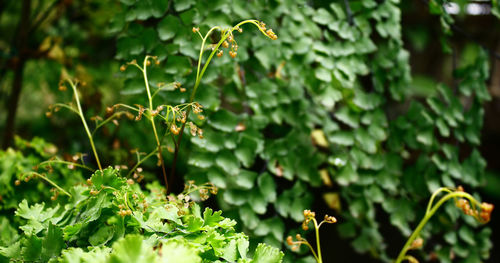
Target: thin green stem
{"x": 428, "y": 216}
{"x": 318, "y": 245}
{"x": 312, "y": 250}
{"x": 67, "y": 163}
{"x": 80, "y": 112}
{"x": 62, "y": 105}
{"x": 163, "y": 88}
{"x": 50, "y": 182}
{"x": 98, "y": 126}
{"x": 127, "y": 106}
{"x": 152, "y": 119}
{"x": 141, "y": 161}
{"x": 436, "y": 193}
{"x": 199, "y": 75}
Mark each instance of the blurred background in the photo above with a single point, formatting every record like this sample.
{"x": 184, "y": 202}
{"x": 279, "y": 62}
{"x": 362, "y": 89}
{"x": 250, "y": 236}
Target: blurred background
{"x": 39, "y": 39}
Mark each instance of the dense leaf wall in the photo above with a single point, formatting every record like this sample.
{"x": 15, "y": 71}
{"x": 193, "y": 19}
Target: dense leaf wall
{"x": 326, "y": 105}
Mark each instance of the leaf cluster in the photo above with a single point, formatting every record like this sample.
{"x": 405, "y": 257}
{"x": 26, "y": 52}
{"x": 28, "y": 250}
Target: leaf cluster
{"x": 110, "y": 220}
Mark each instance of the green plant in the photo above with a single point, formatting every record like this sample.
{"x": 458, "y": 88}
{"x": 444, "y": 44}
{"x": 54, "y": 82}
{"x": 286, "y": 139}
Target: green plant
{"x": 104, "y": 211}
{"x": 179, "y": 115}
{"x": 466, "y": 202}
{"x": 338, "y": 89}
{"x": 308, "y": 217}
{"x": 111, "y": 211}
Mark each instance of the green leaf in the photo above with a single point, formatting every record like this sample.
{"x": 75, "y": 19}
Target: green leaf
{"x": 12, "y": 251}
{"x": 257, "y": 202}
{"x": 178, "y": 252}
{"x": 211, "y": 218}
{"x": 246, "y": 151}
{"x": 243, "y": 247}
{"x": 323, "y": 74}
{"x": 32, "y": 248}
{"x": 245, "y": 179}
{"x": 348, "y": 117}
{"x": 367, "y": 101}
{"x": 235, "y": 197}
{"x": 248, "y": 217}
{"x": 425, "y": 137}
{"x": 77, "y": 255}
{"x": 267, "y": 187}
{"x": 346, "y": 176}
{"x": 102, "y": 236}
{"x": 365, "y": 141}
{"x": 224, "y": 120}
{"x": 230, "y": 251}
{"x": 193, "y": 223}
{"x": 344, "y": 138}
{"x": 132, "y": 248}
{"x": 467, "y": 234}
{"x": 52, "y": 243}
{"x": 267, "y": 254}
{"x": 158, "y": 8}
{"x": 228, "y": 162}
{"x": 181, "y": 5}
{"x": 201, "y": 159}
{"x": 168, "y": 27}
{"x": 322, "y": 17}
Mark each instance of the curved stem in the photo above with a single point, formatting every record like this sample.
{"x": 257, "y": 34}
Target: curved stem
{"x": 152, "y": 119}
{"x": 163, "y": 88}
{"x": 80, "y": 112}
{"x": 441, "y": 189}
{"x": 62, "y": 105}
{"x": 51, "y": 182}
{"x": 199, "y": 76}
{"x": 141, "y": 161}
{"x": 67, "y": 163}
{"x": 428, "y": 215}
{"x": 98, "y": 126}
{"x": 312, "y": 250}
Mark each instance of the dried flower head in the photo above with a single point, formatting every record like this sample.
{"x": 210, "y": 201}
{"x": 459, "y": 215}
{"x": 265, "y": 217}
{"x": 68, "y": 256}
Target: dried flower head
{"x": 417, "y": 243}
{"x": 330, "y": 219}
{"x": 486, "y": 210}
{"x": 271, "y": 34}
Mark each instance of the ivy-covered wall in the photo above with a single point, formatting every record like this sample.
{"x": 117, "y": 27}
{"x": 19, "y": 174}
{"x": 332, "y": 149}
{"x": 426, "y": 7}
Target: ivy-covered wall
{"x": 326, "y": 110}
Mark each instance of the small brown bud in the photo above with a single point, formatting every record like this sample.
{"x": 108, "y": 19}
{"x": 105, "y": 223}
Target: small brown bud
{"x": 417, "y": 243}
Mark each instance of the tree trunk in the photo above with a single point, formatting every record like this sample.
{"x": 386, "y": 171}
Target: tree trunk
{"x": 21, "y": 43}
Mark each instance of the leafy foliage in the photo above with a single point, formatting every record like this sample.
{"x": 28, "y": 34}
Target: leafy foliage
{"x": 139, "y": 226}
{"x": 326, "y": 106}
{"x": 333, "y": 78}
